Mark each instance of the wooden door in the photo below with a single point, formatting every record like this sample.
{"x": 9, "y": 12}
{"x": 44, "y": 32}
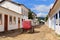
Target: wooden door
{"x": 5, "y": 22}
{"x": 18, "y": 23}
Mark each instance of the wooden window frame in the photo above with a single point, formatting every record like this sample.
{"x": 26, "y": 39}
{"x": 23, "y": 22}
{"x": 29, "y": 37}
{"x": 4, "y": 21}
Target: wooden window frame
{"x": 59, "y": 14}
{"x": 10, "y": 20}
{"x": 14, "y": 20}
{"x": 56, "y": 16}
{"x": 1, "y": 19}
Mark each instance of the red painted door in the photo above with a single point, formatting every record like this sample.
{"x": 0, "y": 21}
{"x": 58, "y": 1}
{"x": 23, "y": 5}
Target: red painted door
{"x": 18, "y": 23}
{"x": 5, "y": 22}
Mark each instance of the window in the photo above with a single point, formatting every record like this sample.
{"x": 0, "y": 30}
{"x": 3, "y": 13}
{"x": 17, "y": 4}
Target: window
{"x": 59, "y": 18}
{"x": 0, "y": 18}
{"x": 18, "y": 20}
{"x": 59, "y": 14}
{"x": 10, "y": 19}
{"x": 56, "y": 16}
{"x": 22, "y": 10}
{"x": 14, "y": 20}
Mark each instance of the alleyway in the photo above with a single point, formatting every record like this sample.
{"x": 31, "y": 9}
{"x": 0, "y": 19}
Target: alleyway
{"x": 41, "y": 33}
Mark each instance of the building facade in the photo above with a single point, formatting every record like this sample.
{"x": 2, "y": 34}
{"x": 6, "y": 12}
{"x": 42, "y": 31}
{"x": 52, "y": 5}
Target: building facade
{"x": 11, "y": 15}
{"x": 54, "y": 17}
{"x": 35, "y": 20}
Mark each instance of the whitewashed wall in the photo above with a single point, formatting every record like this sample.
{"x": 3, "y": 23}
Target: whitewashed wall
{"x": 11, "y": 6}
{"x": 2, "y": 26}
{"x": 17, "y": 11}
{"x": 47, "y": 23}
{"x": 25, "y": 17}
{"x": 52, "y": 23}
{"x": 24, "y": 12}
{"x": 55, "y": 21}
{"x": 9, "y": 13}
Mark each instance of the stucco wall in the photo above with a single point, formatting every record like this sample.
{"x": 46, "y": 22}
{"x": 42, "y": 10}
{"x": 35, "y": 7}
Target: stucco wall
{"x": 11, "y": 6}
{"x": 47, "y": 23}
{"x": 24, "y": 12}
{"x": 55, "y": 21}
{"x": 2, "y": 25}
{"x": 14, "y": 11}
{"x": 10, "y": 13}
{"x": 21, "y": 9}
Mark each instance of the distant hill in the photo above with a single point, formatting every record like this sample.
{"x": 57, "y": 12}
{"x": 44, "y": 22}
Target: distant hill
{"x": 41, "y": 18}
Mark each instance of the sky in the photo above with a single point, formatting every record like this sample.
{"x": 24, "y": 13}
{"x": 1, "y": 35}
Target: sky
{"x": 40, "y": 7}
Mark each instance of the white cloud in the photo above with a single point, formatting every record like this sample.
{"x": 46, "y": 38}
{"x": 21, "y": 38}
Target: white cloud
{"x": 41, "y": 15}
{"x": 51, "y": 5}
{"x": 41, "y": 9}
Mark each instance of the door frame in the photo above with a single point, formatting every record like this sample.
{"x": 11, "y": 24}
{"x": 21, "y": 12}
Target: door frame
{"x": 18, "y": 23}
{"x": 5, "y": 22}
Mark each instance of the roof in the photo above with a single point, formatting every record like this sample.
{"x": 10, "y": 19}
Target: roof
{"x": 18, "y": 4}
{"x": 9, "y": 10}
{"x": 52, "y": 10}
{"x": 15, "y": 3}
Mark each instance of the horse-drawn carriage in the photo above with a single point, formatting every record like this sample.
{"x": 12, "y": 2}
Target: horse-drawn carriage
{"x": 27, "y": 26}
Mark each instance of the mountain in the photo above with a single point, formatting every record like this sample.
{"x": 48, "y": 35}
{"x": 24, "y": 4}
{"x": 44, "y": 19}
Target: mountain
{"x": 41, "y": 18}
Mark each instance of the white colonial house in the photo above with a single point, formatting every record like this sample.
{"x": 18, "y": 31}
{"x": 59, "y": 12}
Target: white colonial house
{"x": 11, "y": 15}
{"x": 35, "y": 20}
{"x": 54, "y": 17}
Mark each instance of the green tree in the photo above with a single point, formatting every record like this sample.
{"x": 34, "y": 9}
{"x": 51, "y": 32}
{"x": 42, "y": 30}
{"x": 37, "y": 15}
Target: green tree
{"x": 30, "y": 14}
{"x": 46, "y": 18}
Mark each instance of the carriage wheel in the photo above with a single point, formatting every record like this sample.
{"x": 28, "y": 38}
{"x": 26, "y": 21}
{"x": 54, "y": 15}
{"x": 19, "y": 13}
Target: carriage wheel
{"x": 32, "y": 30}
{"x": 21, "y": 30}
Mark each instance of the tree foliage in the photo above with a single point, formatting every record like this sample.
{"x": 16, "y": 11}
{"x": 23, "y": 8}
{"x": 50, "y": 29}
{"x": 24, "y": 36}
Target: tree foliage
{"x": 46, "y": 18}
{"x": 40, "y": 18}
{"x": 30, "y": 14}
